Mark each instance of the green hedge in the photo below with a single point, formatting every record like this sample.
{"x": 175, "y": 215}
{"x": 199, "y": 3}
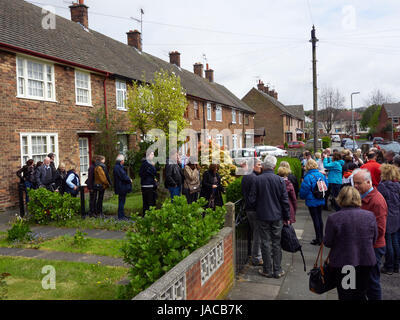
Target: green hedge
{"x": 46, "y": 206}
{"x": 326, "y": 142}
{"x": 295, "y": 166}
{"x": 166, "y": 236}
{"x": 234, "y": 191}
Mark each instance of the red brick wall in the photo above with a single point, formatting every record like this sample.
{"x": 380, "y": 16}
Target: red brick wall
{"x": 268, "y": 116}
{"x": 219, "y": 283}
{"x": 63, "y": 117}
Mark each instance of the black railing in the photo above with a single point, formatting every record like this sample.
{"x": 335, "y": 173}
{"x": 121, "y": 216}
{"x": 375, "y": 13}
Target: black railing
{"x": 243, "y": 236}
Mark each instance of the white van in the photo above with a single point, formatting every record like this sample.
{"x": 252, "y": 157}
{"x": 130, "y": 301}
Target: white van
{"x": 335, "y": 138}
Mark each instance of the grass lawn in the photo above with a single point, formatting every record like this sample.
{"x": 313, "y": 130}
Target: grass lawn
{"x": 100, "y": 247}
{"x": 133, "y": 204}
{"x": 74, "y": 280}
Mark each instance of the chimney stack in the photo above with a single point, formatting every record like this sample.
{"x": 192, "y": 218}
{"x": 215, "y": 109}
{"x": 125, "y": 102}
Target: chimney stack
{"x": 135, "y": 39}
{"x": 175, "y": 58}
{"x": 276, "y": 95}
{"x": 198, "y": 69}
{"x": 260, "y": 86}
{"x": 209, "y": 74}
{"x": 79, "y": 13}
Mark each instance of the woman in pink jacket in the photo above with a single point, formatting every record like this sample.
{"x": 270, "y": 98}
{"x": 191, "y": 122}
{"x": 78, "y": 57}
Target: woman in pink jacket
{"x": 284, "y": 173}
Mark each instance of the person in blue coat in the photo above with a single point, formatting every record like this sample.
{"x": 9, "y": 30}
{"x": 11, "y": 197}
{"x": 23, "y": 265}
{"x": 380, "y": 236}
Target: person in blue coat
{"x": 314, "y": 205}
{"x": 123, "y": 185}
{"x": 335, "y": 176}
{"x": 72, "y": 183}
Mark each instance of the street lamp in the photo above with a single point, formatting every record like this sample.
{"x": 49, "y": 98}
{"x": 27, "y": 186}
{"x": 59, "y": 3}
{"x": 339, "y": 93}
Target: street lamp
{"x": 352, "y": 117}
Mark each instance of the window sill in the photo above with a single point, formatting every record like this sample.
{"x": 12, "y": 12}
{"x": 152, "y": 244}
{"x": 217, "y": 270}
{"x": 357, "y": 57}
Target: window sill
{"x": 36, "y": 99}
{"x": 218, "y": 120}
{"x": 84, "y": 105}
{"x": 121, "y": 109}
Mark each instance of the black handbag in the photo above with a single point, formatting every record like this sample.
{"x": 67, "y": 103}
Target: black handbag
{"x": 321, "y": 277}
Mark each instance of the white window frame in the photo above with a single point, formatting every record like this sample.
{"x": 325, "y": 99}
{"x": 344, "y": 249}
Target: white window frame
{"x": 89, "y": 104}
{"x": 234, "y": 141}
{"x": 196, "y": 107}
{"x": 218, "y": 114}
{"x": 120, "y": 91}
{"x": 240, "y": 117}
{"x": 29, "y": 136}
{"x": 24, "y": 76}
{"x": 233, "y": 116}
{"x": 84, "y": 174}
{"x": 219, "y": 140}
{"x": 209, "y": 112}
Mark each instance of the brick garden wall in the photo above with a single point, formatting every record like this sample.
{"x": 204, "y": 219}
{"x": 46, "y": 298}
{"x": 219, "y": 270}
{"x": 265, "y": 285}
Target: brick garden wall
{"x": 184, "y": 281}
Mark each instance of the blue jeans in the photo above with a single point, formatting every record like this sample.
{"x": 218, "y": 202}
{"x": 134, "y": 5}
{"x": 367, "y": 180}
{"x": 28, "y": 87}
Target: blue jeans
{"x": 374, "y": 291}
{"x": 392, "y": 256}
{"x": 174, "y": 191}
{"x": 316, "y": 215}
{"x": 121, "y": 205}
{"x": 28, "y": 185}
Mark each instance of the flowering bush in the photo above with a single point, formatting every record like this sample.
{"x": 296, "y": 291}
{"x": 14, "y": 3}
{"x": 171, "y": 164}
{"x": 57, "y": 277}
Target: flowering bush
{"x": 19, "y": 231}
{"x": 46, "y": 206}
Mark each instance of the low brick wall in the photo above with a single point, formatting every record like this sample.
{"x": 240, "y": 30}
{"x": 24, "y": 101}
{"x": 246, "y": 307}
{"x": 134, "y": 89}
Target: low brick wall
{"x": 206, "y": 274}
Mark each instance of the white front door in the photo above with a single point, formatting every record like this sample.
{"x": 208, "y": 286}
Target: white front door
{"x": 84, "y": 158}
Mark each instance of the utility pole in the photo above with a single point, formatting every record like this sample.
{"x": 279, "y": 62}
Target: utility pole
{"x": 314, "y": 41}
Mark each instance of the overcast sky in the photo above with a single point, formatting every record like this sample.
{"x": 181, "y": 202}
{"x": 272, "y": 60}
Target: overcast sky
{"x": 244, "y": 41}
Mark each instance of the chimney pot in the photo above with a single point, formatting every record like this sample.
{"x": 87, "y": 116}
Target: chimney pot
{"x": 260, "y": 86}
{"x": 209, "y": 74}
{"x": 198, "y": 69}
{"x": 175, "y": 58}
{"x": 79, "y": 13}
{"x": 135, "y": 39}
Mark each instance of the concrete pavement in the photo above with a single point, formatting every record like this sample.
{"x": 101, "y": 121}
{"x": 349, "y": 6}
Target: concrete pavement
{"x": 294, "y": 285}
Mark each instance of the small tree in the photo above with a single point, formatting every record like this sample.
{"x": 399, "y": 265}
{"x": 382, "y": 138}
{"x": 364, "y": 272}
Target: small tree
{"x": 331, "y": 104}
{"x": 106, "y": 142}
{"x": 156, "y": 104}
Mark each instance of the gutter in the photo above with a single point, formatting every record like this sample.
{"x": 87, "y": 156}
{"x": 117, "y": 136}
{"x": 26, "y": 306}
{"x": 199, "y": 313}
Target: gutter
{"x": 45, "y": 56}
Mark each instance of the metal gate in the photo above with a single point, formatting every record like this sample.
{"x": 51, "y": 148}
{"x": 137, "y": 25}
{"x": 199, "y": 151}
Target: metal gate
{"x": 243, "y": 236}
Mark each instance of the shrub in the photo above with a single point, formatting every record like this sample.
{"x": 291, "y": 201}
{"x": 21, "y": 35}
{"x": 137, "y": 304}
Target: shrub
{"x": 19, "y": 231}
{"x": 46, "y": 206}
{"x": 285, "y": 146}
{"x": 295, "y": 166}
{"x": 326, "y": 142}
{"x": 166, "y": 236}
{"x": 234, "y": 191}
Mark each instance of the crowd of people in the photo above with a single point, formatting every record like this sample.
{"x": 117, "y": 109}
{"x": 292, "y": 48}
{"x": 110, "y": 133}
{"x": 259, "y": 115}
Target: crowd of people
{"x": 180, "y": 179}
{"x": 363, "y": 229}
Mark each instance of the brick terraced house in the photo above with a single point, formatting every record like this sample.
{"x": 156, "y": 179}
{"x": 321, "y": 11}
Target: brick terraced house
{"x": 52, "y": 81}
{"x": 278, "y": 122}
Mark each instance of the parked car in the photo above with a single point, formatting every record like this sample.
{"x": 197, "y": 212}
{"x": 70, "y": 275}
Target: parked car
{"x": 378, "y": 140}
{"x": 243, "y": 154}
{"x": 350, "y": 144}
{"x": 273, "y": 151}
{"x": 293, "y": 144}
{"x": 335, "y": 138}
{"x": 343, "y": 142}
{"x": 390, "y": 145}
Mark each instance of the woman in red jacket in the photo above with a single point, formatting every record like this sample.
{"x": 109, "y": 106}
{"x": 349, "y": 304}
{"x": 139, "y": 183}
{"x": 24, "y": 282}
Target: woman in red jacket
{"x": 284, "y": 173}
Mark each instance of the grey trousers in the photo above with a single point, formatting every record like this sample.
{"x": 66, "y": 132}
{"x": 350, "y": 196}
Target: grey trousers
{"x": 270, "y": 234}
{"x": 256, "y": 244}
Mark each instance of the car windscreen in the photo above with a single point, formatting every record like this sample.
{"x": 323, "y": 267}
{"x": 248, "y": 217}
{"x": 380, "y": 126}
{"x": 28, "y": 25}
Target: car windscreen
{"x": 247, "y": 153}
{"x": 391, "y": 146}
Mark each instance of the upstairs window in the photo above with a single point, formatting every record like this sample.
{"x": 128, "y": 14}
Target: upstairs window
{"x": 233, "y": 116}
{"x": 240, "y": 117}
{"x": 246, "y": 119}
{"x": 121, "y": 94}
{"x": 196, "y": 110}
{"x": 82, "y": 88}
{"x": 209, "y": 112}
{"x": 218, "y": 114}
{"x": 35, "y": 79}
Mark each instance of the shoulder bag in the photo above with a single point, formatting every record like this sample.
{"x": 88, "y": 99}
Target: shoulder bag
{"x": 321, "y": 277}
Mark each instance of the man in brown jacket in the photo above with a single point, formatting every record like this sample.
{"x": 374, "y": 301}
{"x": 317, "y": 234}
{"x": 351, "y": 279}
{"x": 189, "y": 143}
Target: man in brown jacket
{"x": 101, "y": 183}
{"x": 191, "y": 185}
{"x": 372, "y": 200}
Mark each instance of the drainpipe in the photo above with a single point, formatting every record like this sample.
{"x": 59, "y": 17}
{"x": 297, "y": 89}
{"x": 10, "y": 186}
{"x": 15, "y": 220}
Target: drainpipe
{"x": 105, "y": 98}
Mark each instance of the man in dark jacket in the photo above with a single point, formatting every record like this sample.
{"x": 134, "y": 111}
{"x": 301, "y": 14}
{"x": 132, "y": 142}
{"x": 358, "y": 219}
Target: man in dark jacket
{"x": 174, "y": 176}
{"x": 45, "y": 176}
{"x": 148, "y": 182}
{"x": 270, "y": 198}
{"x": 247, "y": 182}
{"x": 123, "y": 185}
